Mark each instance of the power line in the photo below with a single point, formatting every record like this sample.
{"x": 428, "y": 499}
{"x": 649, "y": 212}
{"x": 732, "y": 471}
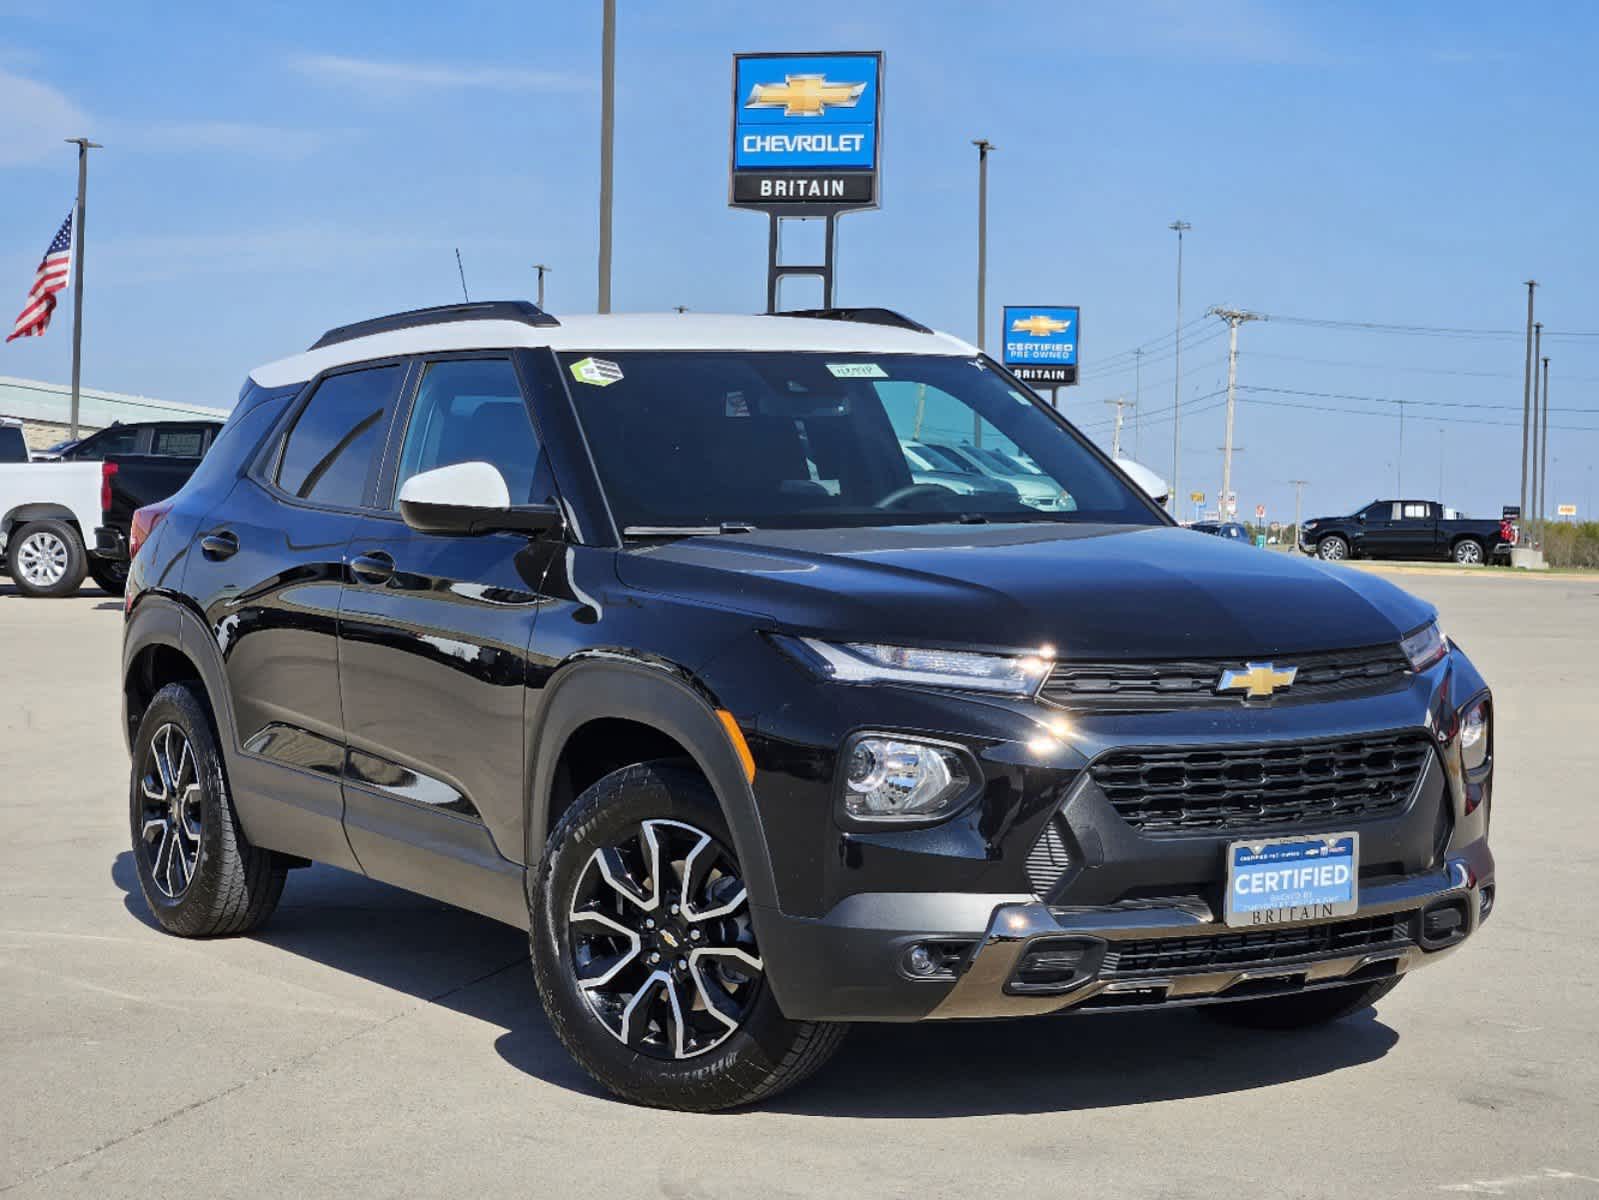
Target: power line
{"x": 1391, "y": 400}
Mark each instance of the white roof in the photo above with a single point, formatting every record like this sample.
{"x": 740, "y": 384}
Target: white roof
{"x": 630, "y": 331}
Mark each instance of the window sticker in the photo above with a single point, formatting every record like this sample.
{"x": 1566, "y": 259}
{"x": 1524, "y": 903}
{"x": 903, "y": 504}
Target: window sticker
{"x": 736, "y": 405}
{"x": 857, "y": 371}
{"x": 601, "y": 372}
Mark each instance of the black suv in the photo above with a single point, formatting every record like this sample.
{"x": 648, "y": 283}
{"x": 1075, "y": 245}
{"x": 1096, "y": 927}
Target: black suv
{"x": 639, "y": 633}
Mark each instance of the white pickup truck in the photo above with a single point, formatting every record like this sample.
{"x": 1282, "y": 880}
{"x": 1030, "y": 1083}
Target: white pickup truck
{"x": 48, "y": 511}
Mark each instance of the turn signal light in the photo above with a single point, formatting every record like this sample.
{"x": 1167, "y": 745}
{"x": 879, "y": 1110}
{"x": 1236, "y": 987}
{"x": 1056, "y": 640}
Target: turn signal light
{"x": 145, "y": 521}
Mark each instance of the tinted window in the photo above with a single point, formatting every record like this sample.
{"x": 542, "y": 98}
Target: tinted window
{"x": 13, "y": 446}
{"x": 330, "y": 450}
{"x": 115, "y": 440}
{"x": 179, "y": 441}
{"x": 472, "y": 411}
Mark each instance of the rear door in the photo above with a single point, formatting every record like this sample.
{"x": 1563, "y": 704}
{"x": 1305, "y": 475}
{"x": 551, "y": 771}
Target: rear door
{"x": 269, "y": 569}
{"x": 434, "y": 635}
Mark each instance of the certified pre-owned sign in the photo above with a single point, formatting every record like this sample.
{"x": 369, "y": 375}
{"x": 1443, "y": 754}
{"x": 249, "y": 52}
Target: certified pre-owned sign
{"x": 806, "y": 131}
{"x": 1041, "y": 343}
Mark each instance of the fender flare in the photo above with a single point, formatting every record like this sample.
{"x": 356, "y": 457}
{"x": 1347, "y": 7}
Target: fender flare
{"x": 595, "y": 689}
{"x": 41, "y": 510}
{"x": 158, "y": 620}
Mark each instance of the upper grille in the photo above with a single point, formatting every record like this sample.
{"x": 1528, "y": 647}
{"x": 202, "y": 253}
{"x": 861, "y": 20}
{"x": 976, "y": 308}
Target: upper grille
{"x": 1255, "y": 947}
{"x": 1232, "y": 788}
{"x": 1192, "y": 684}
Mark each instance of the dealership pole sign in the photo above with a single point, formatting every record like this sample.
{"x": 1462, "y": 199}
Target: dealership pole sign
{"x": 1041, "y": 343}
{"x": 807, "y": 132}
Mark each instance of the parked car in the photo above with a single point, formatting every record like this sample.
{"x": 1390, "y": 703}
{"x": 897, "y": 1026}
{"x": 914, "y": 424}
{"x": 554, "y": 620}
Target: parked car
{"x": 1415, "y": 529}
{"x": 1036, "y": 489}
{"x": 928, "y": 468}
{"x": 130, "y": 482}
{"x": 555, "y": 621}
{"x": 1232, "y": 531}
{"x": 163, "y": 439}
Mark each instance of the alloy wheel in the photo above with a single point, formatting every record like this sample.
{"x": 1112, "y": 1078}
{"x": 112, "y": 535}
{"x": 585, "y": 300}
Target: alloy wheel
{"x": 1332, "y": 550}
{"x": 170, "y": 829}
{"x": 1468, "y": 552}
{"x": 42, "y": 559}
{"x": 661, "y": 943}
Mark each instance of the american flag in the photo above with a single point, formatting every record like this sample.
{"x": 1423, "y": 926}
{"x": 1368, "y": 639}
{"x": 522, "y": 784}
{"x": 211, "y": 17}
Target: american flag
{"x": 54, "y": 273}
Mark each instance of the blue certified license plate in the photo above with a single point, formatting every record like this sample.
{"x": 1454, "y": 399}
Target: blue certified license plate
{"x": 1292, "y": 879}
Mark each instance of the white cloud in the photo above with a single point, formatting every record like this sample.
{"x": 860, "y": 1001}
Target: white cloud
{"x": 388, "y": 78}
{"x": 260, "y": 141}
{"x": 34, "y": 117}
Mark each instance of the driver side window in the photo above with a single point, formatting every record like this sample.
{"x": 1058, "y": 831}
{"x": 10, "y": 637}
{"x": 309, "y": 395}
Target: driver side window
{"x": 472, "y": 410}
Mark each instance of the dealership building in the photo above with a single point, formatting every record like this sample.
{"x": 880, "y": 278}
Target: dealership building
{"x": 45, "y": 409}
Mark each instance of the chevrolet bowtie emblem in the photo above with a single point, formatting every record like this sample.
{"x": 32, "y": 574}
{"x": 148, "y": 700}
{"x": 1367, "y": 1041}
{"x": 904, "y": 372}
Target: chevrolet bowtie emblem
{"x": 1038, "y": 325}
{"x": 1256, "y": 679}
{"x": 666, "y": 936}
{"x": 805, "y": 95}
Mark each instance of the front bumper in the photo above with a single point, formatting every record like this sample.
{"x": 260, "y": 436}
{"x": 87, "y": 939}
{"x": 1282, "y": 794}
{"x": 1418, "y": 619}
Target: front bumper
{"x": 1121, "y": 957}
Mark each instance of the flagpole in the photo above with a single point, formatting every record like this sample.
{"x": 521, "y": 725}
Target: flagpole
{"x": 84, "y": 145}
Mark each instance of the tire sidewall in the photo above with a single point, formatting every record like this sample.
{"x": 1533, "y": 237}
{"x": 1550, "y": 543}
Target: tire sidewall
{"x": 1326, "y": 543}
{"x": 77, "y": 559}
{"x": 176, "y": 704}
{"x": 110, "y": 575}
{"x": 1464, "y": 547}
{"x": 602, "y": 814}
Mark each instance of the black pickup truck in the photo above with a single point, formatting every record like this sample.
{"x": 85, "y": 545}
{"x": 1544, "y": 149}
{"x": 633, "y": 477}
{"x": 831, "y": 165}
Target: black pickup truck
{"x": 1412, "y": 529}
{"x": 129, "y": 482}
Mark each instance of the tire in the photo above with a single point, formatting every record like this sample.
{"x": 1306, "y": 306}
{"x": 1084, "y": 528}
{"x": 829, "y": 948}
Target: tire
{"x": 111, "y": 574}
{"x": 1468, "y": 552}
{"x": 1304, "y": 1011}
{"x": 177, "y": 782}
{"x": 46, "y": 559}
{"x": 1332, "y": 549}
{"x": 666, "y": 1062}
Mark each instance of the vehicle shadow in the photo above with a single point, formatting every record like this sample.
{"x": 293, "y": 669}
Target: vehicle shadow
{"x": 478, "y": 967}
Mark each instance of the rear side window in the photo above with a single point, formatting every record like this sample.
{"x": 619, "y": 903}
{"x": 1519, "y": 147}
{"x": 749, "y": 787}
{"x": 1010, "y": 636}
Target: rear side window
{"x": 471, "y": 410}
{"x": 13, "y": 446}
{"x": 178, "y": 441}
{"x": 108, "y": 441}
{"x": 330, "y": 450}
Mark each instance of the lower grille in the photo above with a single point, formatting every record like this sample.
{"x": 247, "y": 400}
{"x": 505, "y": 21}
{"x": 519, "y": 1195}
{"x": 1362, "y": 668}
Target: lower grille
{"x": 1234, "y": 788}
{"x": 1047, "y": 860}
{"x": 1255, "y": 947}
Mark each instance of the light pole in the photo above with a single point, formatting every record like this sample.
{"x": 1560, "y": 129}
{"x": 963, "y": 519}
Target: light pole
{"x": 1543, "y": 455}
{"x": 84, "y": 145}
{"x": 607, "y": 144}
{"x": 983, "y": 147}
{"x": 1299, "y": 498}
{"x": 1526, "y": 399}
{"x": 1180, "y": 227}
{"x": 1138, "y": 396}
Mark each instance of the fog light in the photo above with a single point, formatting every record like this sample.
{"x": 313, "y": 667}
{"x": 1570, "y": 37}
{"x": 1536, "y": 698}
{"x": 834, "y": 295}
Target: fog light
{"x": 891, "y": 779}
{"x": 920, "y": 961}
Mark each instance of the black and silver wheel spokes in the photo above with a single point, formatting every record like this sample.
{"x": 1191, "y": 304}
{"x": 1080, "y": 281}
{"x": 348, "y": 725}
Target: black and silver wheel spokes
{"x": 170, "y": 826}
{"x": 661, "y": 942}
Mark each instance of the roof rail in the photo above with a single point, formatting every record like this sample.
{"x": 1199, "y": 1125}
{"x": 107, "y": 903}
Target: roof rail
{"x": 442, "y": 314}
{"x": 866, "y": 316}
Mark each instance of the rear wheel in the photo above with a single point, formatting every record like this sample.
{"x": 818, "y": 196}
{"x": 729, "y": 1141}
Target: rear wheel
{"x": 1332, "y": 549}
{"x": 110, "y": 574}
{"x": 1306, "y": 1010}
{"x": 46, "y": 558}
{"x": 645, "y": 955}
{"x": 199, "y": 874}
{"x": 1468, "y": 552}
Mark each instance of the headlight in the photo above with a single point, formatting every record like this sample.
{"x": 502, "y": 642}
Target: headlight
{"x": 1311, "y": 524}
{"x": 1425, "y": 647}
{"x": 894, "y": 779}
{"x": 1474, "y": 736}
{"x": 861, "y": 662}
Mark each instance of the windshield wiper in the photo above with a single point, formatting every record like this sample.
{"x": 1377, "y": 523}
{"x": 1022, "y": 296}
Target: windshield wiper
{"x": 669, "y": 531}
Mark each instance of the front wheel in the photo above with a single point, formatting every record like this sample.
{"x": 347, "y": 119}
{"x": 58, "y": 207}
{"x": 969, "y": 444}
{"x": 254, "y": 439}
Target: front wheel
{"x": 47, "y": 559}
{"x": 1468, "y": 552}
{"x": 1306, "y": 1010}
{"x": 645, "y": 955}
{"x": 1332, "y": 549}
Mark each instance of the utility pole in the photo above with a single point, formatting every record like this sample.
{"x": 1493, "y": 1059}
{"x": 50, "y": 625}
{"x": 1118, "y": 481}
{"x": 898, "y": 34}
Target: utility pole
{"x": 1399, "y": 459}
{"x": 983, "y": 147}
{"x": 1180, "y": 227}
{"x": 84, "y": 145}
{"x": 1534, "y": 513}
{"x": 1442, "y": 429}
{"x": 1543, "y": 456}
{"x": 607, "y": 144}
{"x": 1299, "y": 500}
{"x": 1116, "y": 438}
{"x": 1138, "y": 396}
{"x": 1526, "y": 399}
{"x": 541, "y": 268}
{"x": 1234, "y": 318}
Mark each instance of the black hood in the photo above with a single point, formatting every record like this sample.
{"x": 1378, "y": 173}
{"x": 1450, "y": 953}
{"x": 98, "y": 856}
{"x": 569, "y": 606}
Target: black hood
{"x": 1092, "y": 592}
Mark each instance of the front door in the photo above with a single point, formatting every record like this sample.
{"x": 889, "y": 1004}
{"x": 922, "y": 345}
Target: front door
{"x": 434, "y": 636}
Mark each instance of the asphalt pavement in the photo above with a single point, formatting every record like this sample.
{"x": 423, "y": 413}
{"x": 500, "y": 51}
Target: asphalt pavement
{"x": 369, "y": 1042}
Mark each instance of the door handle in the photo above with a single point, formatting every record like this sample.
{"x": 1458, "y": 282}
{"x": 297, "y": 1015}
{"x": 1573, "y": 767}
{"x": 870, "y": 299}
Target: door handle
{"x": 376, "y": 567}
{"x": 219, "y": 545}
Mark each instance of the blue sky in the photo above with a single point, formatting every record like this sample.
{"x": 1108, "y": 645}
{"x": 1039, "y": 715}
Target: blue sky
{"x": 273, "y": 170}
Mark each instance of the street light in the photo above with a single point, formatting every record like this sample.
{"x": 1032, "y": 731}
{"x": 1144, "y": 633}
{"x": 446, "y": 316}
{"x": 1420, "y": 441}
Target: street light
{"x": 1179, "y": 227}
{"x": 983, "y": 147}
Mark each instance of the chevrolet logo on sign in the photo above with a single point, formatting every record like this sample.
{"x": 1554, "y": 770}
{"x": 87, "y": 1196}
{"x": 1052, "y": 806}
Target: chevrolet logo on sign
{"x": 1039, "y": 325}
{"x": 1256, "y": 679}
{"x": 805, "y": 95}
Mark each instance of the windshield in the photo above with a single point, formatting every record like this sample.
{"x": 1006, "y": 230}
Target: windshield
{"x": 807, "y": 440}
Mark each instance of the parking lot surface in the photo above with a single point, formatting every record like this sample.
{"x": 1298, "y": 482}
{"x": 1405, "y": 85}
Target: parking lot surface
{"x": 370, "y": 1042}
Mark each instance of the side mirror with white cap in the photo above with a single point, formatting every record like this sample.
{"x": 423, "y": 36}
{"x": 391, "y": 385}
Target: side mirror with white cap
{"x": 470, "y": 498}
